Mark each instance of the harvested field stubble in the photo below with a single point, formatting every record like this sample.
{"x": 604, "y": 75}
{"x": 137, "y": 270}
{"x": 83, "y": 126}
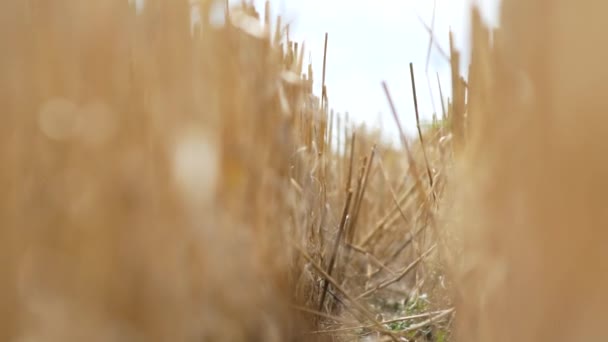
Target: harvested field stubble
{"x": 169, "y": 182}
{"x": 163, "y": 181}
{"x": 531, "y": 190}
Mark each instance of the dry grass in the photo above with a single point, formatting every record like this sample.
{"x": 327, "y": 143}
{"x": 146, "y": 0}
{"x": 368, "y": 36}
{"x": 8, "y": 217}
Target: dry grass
{"x": 145, "y": 172}
{"x": 168, "y": 183}
{"x": 164, "y": 183}
{"x": 530, "y": 197}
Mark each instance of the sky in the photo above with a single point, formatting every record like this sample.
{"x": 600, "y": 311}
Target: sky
{"x": 371, "y": 41}
{"x": 374, "y": 41}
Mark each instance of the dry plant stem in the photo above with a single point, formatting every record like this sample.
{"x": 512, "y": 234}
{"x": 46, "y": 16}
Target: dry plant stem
{"x": 329, "y": 137}
{"x": 341, "y": 302}
{"x": 400, "y": 275}
{"x": 324, "y": 182}
{"x": 277, "y": 32}
{"x": 443, "y": 110}
{"x": 319, "y": 314}
{"x": 434, "y": 316}
{"x": 361, "y": 194}
{"x": 372, "y": 257}
{"x": 337, "y": 286}
{"x": 426, "y": 159}
{"x": 387, "y": 220}
{"x": 349, "y": 228}
{"x": 422, "y": 196}
{"x": 429, "y": 30}
{"x": 411, "y": 236}
{"x": 457, "y": 112}
{"x": 347, "y": 145}
{"x": 350, "y": 166}
{"x": 300, "y": 64}
{"x": 410, "y": 156}
{"x": 334, "y": 254}
{"x": 338, "y": 300}
{"x": 323, "y": 89}
{"x": 429, "y": 321}
{"x": 431, "y": 36}
{"x": 339, "y": 274}
{"x": 393, "y": 194}
{"x": 353, "y": 212}
{"x": 324, "y": 210}
{"x": 296, "y": 186}
{"x": 432, "y": 94}
{"x": 403, "y": 182}
{"x": 450, "y": 324}
{"x": 322, "y": 137}
{"x": 340, "y": 162}
{"x": 267, "y": 14}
